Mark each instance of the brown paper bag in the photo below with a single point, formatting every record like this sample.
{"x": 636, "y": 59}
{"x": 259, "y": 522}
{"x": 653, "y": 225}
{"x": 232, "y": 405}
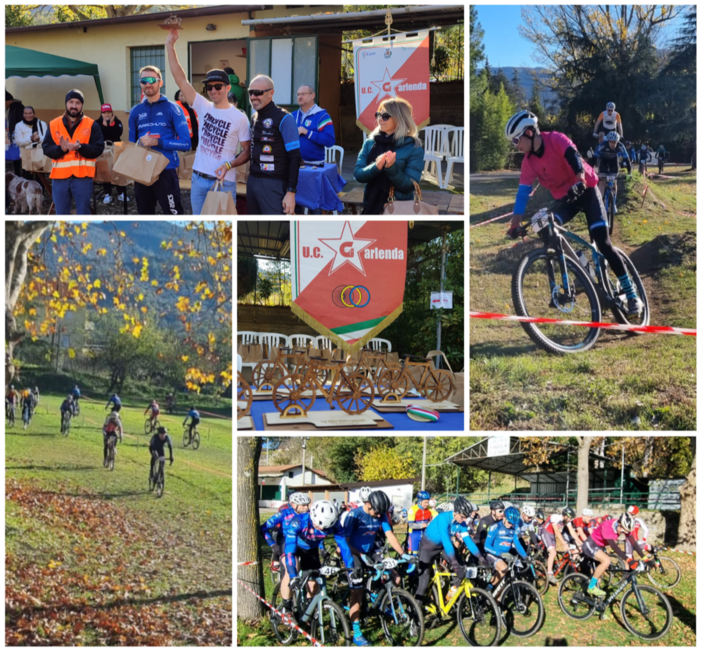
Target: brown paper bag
{"x": 120, "y": 147}
{"x": 185, "y": 165}
{"x": 250, "y": 352}
{"x": 458, "y": 395}
{"x": 104, "y": 164}
{"x": 218, "y": 201}
{"x": 141, "y": 164}
{"x": 34, "y": 160}
{"x": 242, "y": 172}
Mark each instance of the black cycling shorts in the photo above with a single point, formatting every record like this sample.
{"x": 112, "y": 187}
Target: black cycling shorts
{"x": 590, "y": 203}
{"x": 306, "y": 560}
{"x": 590, "y": 549}
{"x": 609, "y": 166}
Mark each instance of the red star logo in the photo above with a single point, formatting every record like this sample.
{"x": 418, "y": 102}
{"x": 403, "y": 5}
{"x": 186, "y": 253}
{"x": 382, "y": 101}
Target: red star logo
{"x": 387, "y": 86}
{"x": 347, "y": 249}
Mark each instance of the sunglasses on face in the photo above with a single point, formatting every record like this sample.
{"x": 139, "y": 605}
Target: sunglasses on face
{"x": 148, "y": 80}
{"x": 258, "y": 93}
{"x": 383, "y": 116}
{"x": 215, "y": 87}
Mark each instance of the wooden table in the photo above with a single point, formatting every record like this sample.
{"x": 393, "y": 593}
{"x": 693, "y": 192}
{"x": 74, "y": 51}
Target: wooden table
{"x": 457, "y": 205}
{"x": 354, "y": 199}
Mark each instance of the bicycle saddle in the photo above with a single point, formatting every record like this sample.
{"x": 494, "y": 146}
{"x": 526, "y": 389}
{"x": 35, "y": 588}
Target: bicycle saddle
{"x": 316, "y": 357}
{"x": 414, "y": 357}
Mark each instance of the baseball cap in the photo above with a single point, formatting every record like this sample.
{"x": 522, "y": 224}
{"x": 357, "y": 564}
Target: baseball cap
{"x": 216, "y": 75}
{"x": 105, "y": 107}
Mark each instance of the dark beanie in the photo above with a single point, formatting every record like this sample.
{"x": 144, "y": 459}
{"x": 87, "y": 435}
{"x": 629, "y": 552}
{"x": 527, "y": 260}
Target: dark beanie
{"x": 8, "y": 96}
{"x": 75, "y": 95}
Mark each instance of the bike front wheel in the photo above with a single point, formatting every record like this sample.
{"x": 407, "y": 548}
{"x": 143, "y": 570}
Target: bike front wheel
{"x": 666, "y": 575}
{"x": 402, "y": 619}
{"x": 535, "y": 293}
{"x": 196, "y": 440}
{"x": 160, "y": 482}
{"x": 650, "y": 618}
{"x": 111, "y": 458}
{"x": 522, "y": 609}
{"x": 283, "y": 632}
{"x": 573, "y": 598}
{"x": 479, "y": 618}
{"x": 329, "y": 625}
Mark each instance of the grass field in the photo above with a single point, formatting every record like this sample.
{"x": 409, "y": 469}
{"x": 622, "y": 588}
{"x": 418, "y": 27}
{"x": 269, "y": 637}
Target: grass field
{"x": 624, "y": 382}
{"x": 94, "y": 558}
{"x": 557, "y": 630}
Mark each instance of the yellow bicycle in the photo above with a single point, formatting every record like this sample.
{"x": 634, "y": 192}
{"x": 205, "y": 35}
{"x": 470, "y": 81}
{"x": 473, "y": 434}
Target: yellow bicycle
{"x": 477, "y": 613}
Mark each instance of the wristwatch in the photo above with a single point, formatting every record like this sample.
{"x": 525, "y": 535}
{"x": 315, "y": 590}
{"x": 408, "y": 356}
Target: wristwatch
{"x": 294, "y": 190}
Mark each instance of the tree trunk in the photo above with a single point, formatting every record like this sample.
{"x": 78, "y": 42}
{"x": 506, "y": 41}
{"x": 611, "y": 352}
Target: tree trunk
{"x": 688, "y": 510}
{"x": 584, "y": 444}
{"x": 248, "y": 453}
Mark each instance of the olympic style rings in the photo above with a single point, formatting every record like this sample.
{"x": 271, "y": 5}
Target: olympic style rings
{"x": 350, "y": 296}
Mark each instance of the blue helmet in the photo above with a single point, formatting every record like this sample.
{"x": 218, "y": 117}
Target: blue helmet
{"x": 423, "y": 495}
{"x": 512, "y": 515}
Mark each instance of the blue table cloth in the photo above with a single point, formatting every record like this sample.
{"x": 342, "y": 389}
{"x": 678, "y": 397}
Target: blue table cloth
{"x": 399, "y": 420}
{"x": 318, "y": 187}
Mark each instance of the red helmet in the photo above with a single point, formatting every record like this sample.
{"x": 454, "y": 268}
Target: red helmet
{"x": 633, "y": 510}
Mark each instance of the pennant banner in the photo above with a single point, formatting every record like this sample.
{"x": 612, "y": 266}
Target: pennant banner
{"x": 348, "y": 278}
{"x": 387, "y": 69}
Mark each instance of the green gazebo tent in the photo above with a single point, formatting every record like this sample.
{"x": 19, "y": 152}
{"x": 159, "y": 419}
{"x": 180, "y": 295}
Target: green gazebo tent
{"x": 21, "y": 62}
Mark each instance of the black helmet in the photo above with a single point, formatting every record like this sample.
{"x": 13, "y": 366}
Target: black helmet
{"x": 161, "y": 431}
{"x": 496, "y": 504}
{"x": 540, "y": 514}
{"x": 569, "y": 512}
{"x": 379, "y": 501}
{"x": 462, "y": 506}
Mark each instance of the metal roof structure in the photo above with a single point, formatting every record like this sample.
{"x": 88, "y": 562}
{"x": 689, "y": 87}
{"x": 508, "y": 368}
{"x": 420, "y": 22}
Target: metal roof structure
{"x": 347, "y": 486}
{"x": 271, "y": 239}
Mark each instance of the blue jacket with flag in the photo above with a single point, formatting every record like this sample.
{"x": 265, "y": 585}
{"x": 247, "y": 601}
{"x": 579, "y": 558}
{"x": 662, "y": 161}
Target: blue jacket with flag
{"x": 320, "y": 133}
{"x": 164, "y": 119}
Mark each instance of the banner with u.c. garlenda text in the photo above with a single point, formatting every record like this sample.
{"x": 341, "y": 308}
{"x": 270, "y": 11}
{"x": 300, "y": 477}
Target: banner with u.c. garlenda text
{"x": 348, "y": 278}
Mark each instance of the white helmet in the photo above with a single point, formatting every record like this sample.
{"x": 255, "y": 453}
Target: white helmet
{"x": 611, "y": 106}
{"x": 529, "y": 511}
{"x": 432, "y": 503}
{"x": 324, "y": 514}
{"x": 114, "y": 415}
{"x": 587, "y": 512}
{"x": 298, "y": 498}
{"x": 612, "y": 136}
{"x": 507, "y": 504}
{"x": 519, "y": 122}
{"x": 364, "y": 493}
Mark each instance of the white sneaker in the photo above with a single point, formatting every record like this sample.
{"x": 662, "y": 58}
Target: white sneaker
{"x": 107, "y": 200}
{"x": 120, "y": 197}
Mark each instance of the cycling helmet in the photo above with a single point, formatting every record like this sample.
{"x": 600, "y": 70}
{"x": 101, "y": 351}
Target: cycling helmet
{"x": 496, "y": 504}
{"x": 611, "y": 106}
{"x": 473, "y": 506}
{"x": 70, "y": 396}
{"x": 12, "y": 386}
{"x": 324, "y": 514}
{"x": 628, "y": 143}
{"x": 612, "y": 137}
{"x": 507, "y": 504}
{"x": 633, "y": 510}
{"x": 432, "y": 504}
{"x": 379, "y": 501}
{"x": 512, "y": 515}
{"x": 363, "y": 494}
{"x": 423, "y": 495}
{"x": 519, "y": 123}
{"x": 162, "y": 431}
{"x": 114, "y": 415}
{"x": 298, "y": 498}
{"x": 462, "y": 506}
{"x": 568, "y": 512}
{"x": 587, "y": 512}
{"x": 626, "y": 521}
{"x": 540, "y": 514}
{"x": 528, "y": 511}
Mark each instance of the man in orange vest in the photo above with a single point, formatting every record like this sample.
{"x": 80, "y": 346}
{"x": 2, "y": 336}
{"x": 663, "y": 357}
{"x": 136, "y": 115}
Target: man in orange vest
{"x": 73, "y": 142}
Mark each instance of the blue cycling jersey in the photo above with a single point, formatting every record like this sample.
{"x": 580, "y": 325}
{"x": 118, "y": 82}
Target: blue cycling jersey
{"x": 360, "y": 529}
{"x": 76, "y": 392}
{"x": 441, "y": 528}
{"x": 279, "y": 522}
{"x": 115, "y": 400}
{"x": 501, "y": 539}
{"x": 67, "y": 406}
{"x": 301, "y": 534}
{"x": 194, "y": 414}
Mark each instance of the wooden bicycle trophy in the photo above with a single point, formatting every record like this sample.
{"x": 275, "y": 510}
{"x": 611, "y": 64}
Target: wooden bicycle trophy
{"x": 172, "y": 22}
{"x": 268, "y": 372}
{"x": 243, "y": 395}
{"x": 434, "y": 384}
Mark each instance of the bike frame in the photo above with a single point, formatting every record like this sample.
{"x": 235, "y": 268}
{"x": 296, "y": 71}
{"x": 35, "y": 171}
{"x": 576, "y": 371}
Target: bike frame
{"x": 315, "y": 601}
{"x": 629, "y": 579}
{"x": 464, "y": 587}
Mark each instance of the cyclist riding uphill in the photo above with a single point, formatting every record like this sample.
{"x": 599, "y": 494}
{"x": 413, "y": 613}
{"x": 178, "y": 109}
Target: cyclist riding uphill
{"x": 303, "y": 537}
{"x": 75, "y": 392}
{"x": 67, "y": 405}
{"x": 116, "y": 403}
{"x": 273, "y": 530}
{"x": 606, "y": 534}
{"x": 418, "y": 518}
{"x": 438, "y": 539}
{"x": 501, "y": 538}
{"x": 360, "y": 528}
{"x": 610, "y": 120}
{"x": 553, "y": 159}
{"x": 194, "y": 417}
{"x": 157, "y": 447}
{"x": 110, "y": 428}
{"x": 608, "y": 159}
{"x": 155, "y": 411}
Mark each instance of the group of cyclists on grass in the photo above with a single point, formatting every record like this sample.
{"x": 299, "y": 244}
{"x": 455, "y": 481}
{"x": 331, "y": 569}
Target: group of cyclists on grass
{"x": 27, "y": 399}
{"x": 455, "y": 532}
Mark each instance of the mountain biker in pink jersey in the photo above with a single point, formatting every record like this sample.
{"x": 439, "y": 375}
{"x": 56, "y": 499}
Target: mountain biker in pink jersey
{"x": 553, "y": 159}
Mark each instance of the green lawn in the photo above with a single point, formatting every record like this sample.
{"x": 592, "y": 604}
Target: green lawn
{"x": 93, "y": 558}
{"x": 623, "y": 382}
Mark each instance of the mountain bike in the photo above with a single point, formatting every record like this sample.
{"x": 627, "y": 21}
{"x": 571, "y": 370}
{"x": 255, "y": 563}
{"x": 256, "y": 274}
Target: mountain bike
{"x": 65, "y": 422}
{"x": 26, "y": 416}
{"x": 661, "y": 571}
{"x": 476, "y": 611}
{"x": 644, "y": 610}
{"x": 643, "y": 166}
{"x": 323, "y": 617}
{"x": 610, "y": 200}
{"x": 111, "y": 452}
{"x": 157, "y": 480}
{"x": 434, "y": 384}
{"x": 520, "y": 603}
{"x": 534, "y": 572}
{"x": 661, "y": 163}
{"x": 189, "y": 438}
{"x": 151, "y": 426}
{"x": 10, "y": 414}
{"x": 556, "y": 283}
{"x": 76, "y": 407}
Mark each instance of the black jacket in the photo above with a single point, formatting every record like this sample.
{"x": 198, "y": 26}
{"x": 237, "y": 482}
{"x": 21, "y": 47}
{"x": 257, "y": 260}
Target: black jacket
{"x": 275, "y": 147}
{"x": 111, "y": 133}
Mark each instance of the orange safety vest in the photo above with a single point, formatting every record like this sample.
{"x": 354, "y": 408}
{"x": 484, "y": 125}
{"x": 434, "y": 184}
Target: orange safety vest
{"x": 72, "y": 164}
{"x": 187, "y": 117}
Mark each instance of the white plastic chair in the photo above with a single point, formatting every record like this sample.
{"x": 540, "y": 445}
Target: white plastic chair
{"x": 456, "y": 152}
{"x": 330, "y": 156}
{"x": 239, "y": 362}
{"x": 435, "y": 151}
{"x": 377, "y": 344}
{"x": 248, "y": 337}
{"x": 299, "y": 340}
{"x": 323, "y": 342}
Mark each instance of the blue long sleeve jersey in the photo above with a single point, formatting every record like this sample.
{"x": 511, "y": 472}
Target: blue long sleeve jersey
{"x": 360, "y": 529}
{"x": 501, "y": 539}
{"x": 164, "y": 119}
{"x": 440, "y": 530}
{"x": 278, "y": 522}
{"x": 300, "y": 534}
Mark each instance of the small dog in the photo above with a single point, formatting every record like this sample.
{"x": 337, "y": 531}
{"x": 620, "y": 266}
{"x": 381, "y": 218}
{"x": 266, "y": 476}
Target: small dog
{"x": 25, "y": 194}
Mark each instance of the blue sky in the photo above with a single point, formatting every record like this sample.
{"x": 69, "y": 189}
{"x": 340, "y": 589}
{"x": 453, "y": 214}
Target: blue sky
{"x": 503, "y": 44}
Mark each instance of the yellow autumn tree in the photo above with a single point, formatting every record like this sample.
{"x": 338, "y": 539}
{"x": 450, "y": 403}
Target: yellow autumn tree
{"x": 384, "y": 463}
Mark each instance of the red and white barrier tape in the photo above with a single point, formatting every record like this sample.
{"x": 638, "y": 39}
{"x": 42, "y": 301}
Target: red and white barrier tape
{"x": 499, "y": 217}
{"x": 662, "y": 330}
{"x": 247, "y": 563}
{"x": 684, "y": 552}
{"x": 286, "y": 619}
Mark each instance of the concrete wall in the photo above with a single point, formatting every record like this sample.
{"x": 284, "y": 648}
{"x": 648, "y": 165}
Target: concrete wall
{"x": 271, "y": 319}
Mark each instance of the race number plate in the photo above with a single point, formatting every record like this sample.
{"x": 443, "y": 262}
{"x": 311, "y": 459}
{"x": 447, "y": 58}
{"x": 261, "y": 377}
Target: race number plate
{"x": 539, "y": 220}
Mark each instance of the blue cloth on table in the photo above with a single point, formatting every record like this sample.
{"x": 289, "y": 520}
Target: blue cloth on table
{"x": 399, "y": 420}
{"x": 318, "y": 188}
